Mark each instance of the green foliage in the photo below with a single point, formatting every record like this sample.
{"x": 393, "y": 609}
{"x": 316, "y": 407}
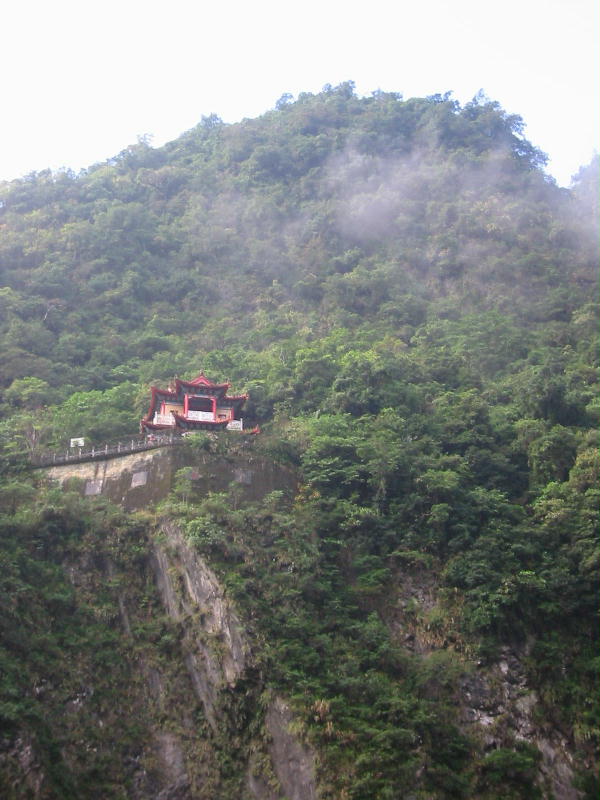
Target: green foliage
{"x": 27, "y": 393}
{"x": 511, "y": 772}
{"x": 406, "y": 298}
{"x": 310, "y": 607}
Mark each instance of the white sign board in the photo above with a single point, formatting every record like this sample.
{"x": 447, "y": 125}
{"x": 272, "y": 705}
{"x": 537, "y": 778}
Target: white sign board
{"x": 139, "y": 479}
{"x": 77, "y": 442}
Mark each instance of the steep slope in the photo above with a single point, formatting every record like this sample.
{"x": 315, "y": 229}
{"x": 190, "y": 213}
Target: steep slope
{"x": 320, "y": 213}
{"x": 407, "y": 298}
{"x": 128, "y": 672}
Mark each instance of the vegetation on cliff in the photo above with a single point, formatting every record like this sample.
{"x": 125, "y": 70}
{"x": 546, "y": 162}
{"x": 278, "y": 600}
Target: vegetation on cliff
{"x": 406, "y": 297}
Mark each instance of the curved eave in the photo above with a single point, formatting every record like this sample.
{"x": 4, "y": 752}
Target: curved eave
{"x": 211, "y": 388}
{"x": 202, "y": 380}
{"x": 235, "y": 401}
{"x": 164, "y": 394}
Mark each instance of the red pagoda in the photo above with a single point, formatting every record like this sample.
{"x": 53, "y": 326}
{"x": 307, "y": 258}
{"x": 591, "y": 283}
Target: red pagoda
{"x": 194, "y": 405}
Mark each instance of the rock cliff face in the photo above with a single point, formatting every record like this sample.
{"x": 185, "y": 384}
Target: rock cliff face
{"x": 293, "y": 762}
{"x": 173, "y": 705}
{"x": 167, "y": 703}
{"x": 496, "y": 705}
{"x": 218, "y": 656}
{"x": 215, "y": 649}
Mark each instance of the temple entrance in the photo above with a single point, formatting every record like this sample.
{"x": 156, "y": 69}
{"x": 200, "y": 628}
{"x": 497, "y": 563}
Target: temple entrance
{"x": 200, "y": 403}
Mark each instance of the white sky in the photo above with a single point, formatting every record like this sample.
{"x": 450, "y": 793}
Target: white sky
{"x": 82, "y": 79}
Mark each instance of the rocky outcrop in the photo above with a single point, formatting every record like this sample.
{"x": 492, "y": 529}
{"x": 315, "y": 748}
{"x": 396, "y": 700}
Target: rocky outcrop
{"x": 173, "y": 768}
{"x": 214, "y": 645}
{"x": 294, "y": 762}
{"x": 217, "y": 656}
{"x": 498, "y": 706}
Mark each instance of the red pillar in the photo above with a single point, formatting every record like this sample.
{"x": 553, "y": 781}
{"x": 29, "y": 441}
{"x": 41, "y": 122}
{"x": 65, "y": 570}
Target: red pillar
{"x": 214, "y": 405}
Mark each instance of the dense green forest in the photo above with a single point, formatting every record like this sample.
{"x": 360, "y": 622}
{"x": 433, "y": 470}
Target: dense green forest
{"x": 410, "y": 302}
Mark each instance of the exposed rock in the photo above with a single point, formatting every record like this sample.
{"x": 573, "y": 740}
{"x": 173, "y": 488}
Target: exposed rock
{"x": 215, "y": 649}
{"x": 217, "y": 656}
{"x": 173, "y": 770}
{"x": 19, "y": 757}
{"x": 497, "y": 706}
{"x": 417, "y": 598}
{"x": 294, "y": 763}
{"x": 259, "y": 788}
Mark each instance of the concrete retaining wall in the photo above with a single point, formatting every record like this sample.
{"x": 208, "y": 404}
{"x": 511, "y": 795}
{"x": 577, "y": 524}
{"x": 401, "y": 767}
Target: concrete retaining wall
{"x": 140, "y": 480}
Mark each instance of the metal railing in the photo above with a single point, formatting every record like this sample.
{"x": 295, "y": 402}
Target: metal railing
{"x": 108, "y": 450}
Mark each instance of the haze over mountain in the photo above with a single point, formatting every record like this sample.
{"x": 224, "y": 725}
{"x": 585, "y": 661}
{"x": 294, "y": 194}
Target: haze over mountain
{"x": 408, "y": 300}
{"x": 97, "y": 76}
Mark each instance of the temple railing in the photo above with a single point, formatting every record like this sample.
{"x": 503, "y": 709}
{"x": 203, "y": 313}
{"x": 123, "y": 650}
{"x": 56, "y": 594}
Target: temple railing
{"x": 134, "y": 444}
{"x": 163, "y": 419}
{"x": 199, "y": 416}
{"x": 108, "y": 450}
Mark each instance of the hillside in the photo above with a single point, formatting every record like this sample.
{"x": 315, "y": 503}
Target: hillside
{"x": 409, "y": 301}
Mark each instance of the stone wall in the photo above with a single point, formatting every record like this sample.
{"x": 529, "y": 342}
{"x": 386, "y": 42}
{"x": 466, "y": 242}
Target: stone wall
{"x": 140, "y": 480}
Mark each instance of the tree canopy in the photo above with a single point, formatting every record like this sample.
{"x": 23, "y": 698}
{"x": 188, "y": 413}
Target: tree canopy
{"x": 408, "y": 300}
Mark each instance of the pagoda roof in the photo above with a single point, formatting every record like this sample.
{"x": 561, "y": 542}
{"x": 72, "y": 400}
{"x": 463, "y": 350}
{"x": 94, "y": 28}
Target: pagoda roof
{"x": 155, "y": 394}
{"x": 202, "y": 380}
{"x": 199, "y": 383}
